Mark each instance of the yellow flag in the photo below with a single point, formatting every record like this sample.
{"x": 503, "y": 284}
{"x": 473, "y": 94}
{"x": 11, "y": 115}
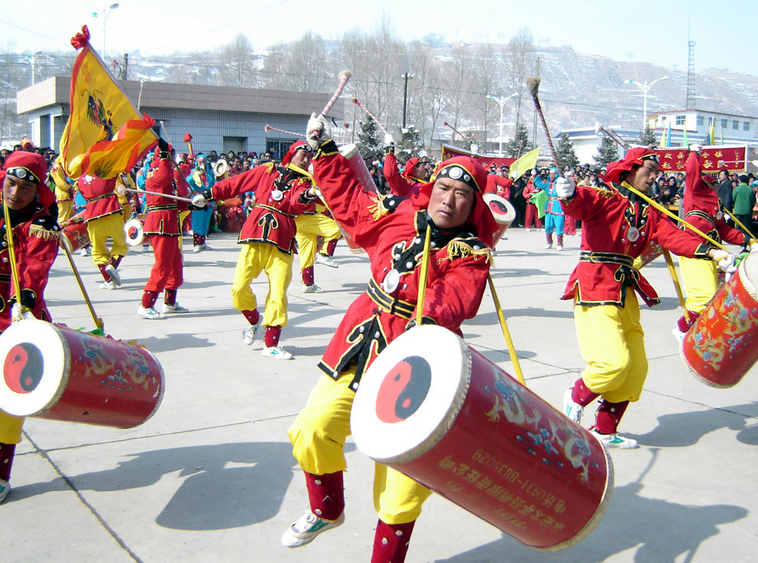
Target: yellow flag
{"x": 524, "y": 163}
{"x": 105, "y": 135}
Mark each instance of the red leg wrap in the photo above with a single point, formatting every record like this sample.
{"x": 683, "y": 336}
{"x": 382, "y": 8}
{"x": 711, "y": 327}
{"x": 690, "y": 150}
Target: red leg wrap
{"x": 326, "y": 494}
{"x": 391, "y": 542}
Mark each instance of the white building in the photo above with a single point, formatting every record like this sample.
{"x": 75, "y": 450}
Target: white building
{"x": 729, "y": 129}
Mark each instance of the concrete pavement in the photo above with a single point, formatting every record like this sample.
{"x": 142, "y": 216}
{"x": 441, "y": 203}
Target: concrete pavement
{"x": 210, "y": 478}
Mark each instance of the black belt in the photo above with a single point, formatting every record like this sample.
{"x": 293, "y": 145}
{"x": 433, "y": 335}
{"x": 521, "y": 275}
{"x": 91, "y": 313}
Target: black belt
{"x": 389, "y": 304}
{"x": 103, "y": 196}
{"x": 606, "y": 258}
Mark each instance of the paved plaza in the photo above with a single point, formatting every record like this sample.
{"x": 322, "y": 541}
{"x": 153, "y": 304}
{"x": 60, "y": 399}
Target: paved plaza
{"x": 211, "y": 478}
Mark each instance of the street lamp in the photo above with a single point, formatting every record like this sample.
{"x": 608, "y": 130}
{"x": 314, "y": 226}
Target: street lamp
{"x": 105, "y": 13}
{"x": 32, "y": 61}
{"x": 501, "y": 102}
{"x": 645, "y": 89}
{"x": 405, "y": 77}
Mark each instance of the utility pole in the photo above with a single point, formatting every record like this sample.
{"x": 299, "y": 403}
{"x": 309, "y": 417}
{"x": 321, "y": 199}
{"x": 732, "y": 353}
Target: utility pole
{"x": 126, "y": 66}
{"x": 405, "y": 76}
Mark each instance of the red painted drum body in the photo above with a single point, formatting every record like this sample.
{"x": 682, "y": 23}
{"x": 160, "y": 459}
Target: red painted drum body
{"x": 651, "y": 252}
{"x": 76, "y": 233}
{"x": 503, "y": 212}
{"x": 441, "y": 413}
{"x": 358, "y": 167}
{"x": 722, "y": 345}
{"x": 54, "y": 372}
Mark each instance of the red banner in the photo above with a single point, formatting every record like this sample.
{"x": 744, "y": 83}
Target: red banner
{"x": 714, "y": 159}
{"x": 485, "y": 161}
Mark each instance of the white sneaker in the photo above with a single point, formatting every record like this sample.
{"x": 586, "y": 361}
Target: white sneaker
{"x": 5, "y": 488}
{"x": 108, "y": 285}
{"x": 559, "y": 247}
{"x": 205, "y": 247}
{"x": 548, "y": 246}
{"x": 617, "y": 441}
{"x": 113, "y": 273}
{"x": 175, "y": 308}
{"x": 527, "y": 229}
{"x": 307, "y": 527}
{"x": 571, "y": 409}
{"x": 312, "y": 289}
{"x": 326, "y": 261}
{"x": 197, "y": 248}
{"x": 248, "y": 334}
{"x": 146, "y": 313}
{"x": 85, "y": 251}
{"x": 276, "y": 352}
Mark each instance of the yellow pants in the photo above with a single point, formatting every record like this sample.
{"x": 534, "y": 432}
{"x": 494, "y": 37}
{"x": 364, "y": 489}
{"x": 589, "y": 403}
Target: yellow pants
{"x": 10, "y": 428}
{"x": 257, "y": 257}
{"x": 309, "y": 227}
{"x": 700, "y": 279}
{"x": 318, "y": 440}
{"x": 110, "y": 226}
{"x": 612, "y": 344}
{"x": 65, "y": 210}
{"x": 182, "y": 216}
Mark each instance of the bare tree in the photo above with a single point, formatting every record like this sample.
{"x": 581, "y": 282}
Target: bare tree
{"x": 518, "y": 62}
{"x": 238, "y": 63}
{"x": 301, "y": 66}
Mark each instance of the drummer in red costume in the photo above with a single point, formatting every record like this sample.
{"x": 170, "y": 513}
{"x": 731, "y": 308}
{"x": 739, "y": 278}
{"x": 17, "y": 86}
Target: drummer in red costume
{"x": 104, "y": 217}
{"x": 702, "y": 209}
{"x": 162, "y": 225}
{"x": 268, "y": 235}
{"x": 413, "y": 177}
{"x": 36, "y": 235}
{"x": 392, "y": 230}
{"x": 617, "y": 227}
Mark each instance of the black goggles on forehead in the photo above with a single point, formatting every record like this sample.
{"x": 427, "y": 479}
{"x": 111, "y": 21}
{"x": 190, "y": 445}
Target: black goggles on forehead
{"x": 23, "y": 173}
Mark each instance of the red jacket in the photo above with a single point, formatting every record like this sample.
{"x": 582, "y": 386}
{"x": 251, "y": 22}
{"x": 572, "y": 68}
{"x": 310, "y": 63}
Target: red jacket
{"x": 36, "y": 245}
{"x": 100, "y": 195}
{"x": 279, "y": 198}
{"x": 616, "y": 228}
{"x": 391, "y": 230}
{"x": 702, "y": 207}
{"x": 497, "y": 184}
{"x": 162, "y": 212}
{"x": 404, "y": 186}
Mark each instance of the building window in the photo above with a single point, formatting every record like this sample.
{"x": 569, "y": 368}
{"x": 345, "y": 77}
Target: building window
{"x": 746, "y": 126}
{"x": 724, "y": 123}
{"x": 663, "y": 119}
{"x": 680, "y": 120}
{"x": 711, "y": 121}
{"x": 735, "y": 124}
{"x": 700, "y": 120}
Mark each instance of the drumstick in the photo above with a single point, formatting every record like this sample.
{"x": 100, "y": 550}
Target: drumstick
{"x": 506, "y": 332}
{"x": 734, "y": 217}
{"x": 343, "y": 77}
{"x": 176, "y": 197}
{"x": 677, "y": 285}
{"x": 371, "y": 115}
{"x": 269, "y": 128}
{"x": 98, "y": 321}
{"x": 422, "y": 276}
{"x": 12, "y": 253}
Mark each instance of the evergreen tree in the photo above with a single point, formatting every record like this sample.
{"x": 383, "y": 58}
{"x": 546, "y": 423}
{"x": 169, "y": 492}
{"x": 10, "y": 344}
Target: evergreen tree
{"x": 370, "y": 144}
{"x": 410, "y": 142}
{"x": 648, "y": 138}
{"x": 520, "y": 145}
{"x": 565, "y": 152}
{"x": 607, "y": 152}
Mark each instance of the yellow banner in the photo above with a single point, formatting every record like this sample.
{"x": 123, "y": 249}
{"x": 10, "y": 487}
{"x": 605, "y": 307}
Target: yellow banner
{"x": 105, "y": 135}
{"x": 524, "y": 163}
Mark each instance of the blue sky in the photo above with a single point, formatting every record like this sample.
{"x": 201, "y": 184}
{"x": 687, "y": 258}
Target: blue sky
{"x": 647, "y": 31}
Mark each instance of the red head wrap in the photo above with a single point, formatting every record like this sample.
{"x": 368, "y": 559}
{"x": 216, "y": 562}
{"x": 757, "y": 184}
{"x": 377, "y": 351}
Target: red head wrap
{"x": 634, "y": 157}
{"x": 409, "y": 166}
{"x": 32, "y": 167}
{"x": 467, "y": 170}
{"x": 294, "y": 147}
